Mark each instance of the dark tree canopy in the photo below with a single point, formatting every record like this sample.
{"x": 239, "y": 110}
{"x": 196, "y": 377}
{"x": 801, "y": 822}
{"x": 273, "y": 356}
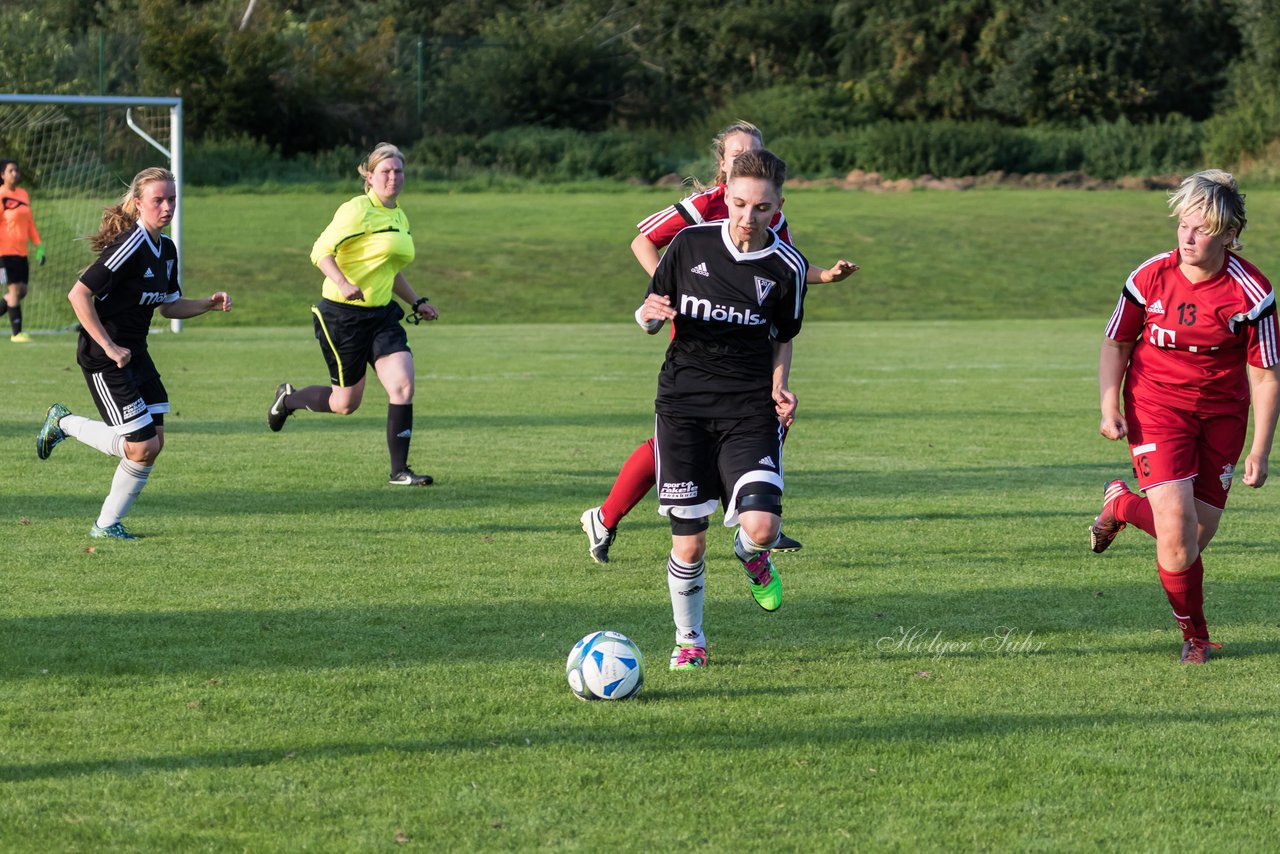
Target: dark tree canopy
{"x": 306, "y": 76}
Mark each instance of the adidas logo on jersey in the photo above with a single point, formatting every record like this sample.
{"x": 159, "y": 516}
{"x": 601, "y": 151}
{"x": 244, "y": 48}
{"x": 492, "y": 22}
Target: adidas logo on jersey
{"x": 700, "y": 270}
{"x": 767, "y": 461}
{"x": 1156, "y": 307}
{"x": 148, "y": 274}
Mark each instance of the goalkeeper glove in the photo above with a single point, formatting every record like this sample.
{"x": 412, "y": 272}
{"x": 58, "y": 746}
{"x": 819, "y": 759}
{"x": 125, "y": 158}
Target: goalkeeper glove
{"x": 40, "y": 254}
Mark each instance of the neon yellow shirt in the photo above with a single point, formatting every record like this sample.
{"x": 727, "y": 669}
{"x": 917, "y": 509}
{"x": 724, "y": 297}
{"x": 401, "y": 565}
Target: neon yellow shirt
{"x": 371, "y": 245}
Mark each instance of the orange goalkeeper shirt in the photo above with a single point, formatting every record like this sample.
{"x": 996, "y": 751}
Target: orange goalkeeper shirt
{"x": 17, "y": 226}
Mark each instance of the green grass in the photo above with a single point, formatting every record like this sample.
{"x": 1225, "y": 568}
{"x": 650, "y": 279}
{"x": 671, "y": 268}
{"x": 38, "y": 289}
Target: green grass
{"x": 552, "y": 257}
{"x": 299, "y": 657}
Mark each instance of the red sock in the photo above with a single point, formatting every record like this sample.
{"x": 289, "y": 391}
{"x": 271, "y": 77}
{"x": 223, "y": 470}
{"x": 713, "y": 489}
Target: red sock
{"x": 638, "y": 475}
{"x": 1136, "y": 510}
{"x": 1185, "y": 591}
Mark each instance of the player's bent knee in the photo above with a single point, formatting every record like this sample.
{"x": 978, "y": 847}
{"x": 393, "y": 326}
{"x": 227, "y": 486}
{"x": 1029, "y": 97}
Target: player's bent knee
{"x": 143, "y": 453}
{"x": 760, "y": 513}
{"x": 343, "y": 407}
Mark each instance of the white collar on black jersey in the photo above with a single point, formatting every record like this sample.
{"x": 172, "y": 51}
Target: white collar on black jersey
{"x": 738, "y": 254}
{"x": 146, "y": 235}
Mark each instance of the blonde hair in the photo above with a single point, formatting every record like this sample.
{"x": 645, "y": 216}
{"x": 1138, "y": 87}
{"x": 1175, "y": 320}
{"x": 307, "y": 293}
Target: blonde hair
{"x": 717, "y": 151}
{"x": 123, "y": 216}
{"x": 382, "y": 151}
{"x": 1215, "y": 194}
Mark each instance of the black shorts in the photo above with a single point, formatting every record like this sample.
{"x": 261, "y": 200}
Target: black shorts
{"x": 352, "y": 337}
{"x": 14, "y": 270}
{"x": 133, "y": 407}
{"x": 702, "y": 461}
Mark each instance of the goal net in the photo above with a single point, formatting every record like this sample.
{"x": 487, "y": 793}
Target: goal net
{"x": 76, "y": 155}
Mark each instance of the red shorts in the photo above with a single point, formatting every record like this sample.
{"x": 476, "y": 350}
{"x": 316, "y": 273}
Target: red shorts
{"x": 1170, "y": 444}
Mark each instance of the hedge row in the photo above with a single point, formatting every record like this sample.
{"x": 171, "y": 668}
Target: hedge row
{"x": 894, "y": 149}
{"x": 950, "y": 149}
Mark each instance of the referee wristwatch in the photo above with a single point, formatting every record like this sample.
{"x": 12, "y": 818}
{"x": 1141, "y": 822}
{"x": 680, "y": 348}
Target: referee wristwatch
{"x": 414, "y": 317}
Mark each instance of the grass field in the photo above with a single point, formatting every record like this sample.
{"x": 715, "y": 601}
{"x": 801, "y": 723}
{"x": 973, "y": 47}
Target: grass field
{"x": 541, "y": 257}
{"x": 299, "y": 657}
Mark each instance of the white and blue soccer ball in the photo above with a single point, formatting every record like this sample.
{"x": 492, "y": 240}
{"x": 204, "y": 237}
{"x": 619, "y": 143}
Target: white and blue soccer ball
{"x": 605, "y": 666}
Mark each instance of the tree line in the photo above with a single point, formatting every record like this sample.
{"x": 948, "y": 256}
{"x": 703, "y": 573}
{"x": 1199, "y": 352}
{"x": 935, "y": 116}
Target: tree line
{"x": 302, "y": 76}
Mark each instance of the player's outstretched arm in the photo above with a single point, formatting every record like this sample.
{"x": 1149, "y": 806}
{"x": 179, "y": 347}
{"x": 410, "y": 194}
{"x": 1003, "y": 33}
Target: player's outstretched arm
{"x": 181, "y": 309}
{"x": 1265, "y": 386}
{"x": 1112, "y": 363}
{"x": 837, "y": 272}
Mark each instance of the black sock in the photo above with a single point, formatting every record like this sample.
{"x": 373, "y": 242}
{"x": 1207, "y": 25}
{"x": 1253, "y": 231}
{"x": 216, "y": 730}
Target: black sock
{"x": 15, "y": 318}
{"x": 399, "y": 429}
{"x": 4, "y": 306}
{"x": 313, "y": 398}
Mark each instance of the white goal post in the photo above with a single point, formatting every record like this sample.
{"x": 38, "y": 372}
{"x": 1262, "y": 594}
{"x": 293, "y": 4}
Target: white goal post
{"x": 67, "y": 174}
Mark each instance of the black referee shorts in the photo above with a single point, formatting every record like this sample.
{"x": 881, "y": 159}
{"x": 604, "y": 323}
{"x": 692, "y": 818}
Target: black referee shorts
{"x": 352, "y": 337}
{"x": 703, "y": 461}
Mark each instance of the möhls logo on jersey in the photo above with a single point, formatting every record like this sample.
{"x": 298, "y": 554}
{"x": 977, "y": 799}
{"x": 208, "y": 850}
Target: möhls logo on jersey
{"x": 703, "y": 309}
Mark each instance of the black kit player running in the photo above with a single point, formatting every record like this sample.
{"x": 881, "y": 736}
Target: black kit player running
{"x": 135, "y": 275}
{"x": 736, "y": 294}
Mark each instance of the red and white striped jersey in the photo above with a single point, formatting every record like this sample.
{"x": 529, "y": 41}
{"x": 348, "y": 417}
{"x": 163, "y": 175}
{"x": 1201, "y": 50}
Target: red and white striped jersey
{"x": 706, "y": 206}
{"x": 1194, "y": 339}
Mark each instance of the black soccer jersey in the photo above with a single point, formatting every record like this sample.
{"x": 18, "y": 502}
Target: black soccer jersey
{"x": 130, "y": 279}
{"x": 731, "y": 307}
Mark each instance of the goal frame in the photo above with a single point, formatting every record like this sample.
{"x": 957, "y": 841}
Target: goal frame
{"x": 173, "y": 152}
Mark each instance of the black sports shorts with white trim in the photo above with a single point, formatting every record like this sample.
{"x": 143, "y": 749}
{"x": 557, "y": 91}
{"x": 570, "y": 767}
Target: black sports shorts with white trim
{"x": 352, "y": 337}
{"x": 133, "y": 408}
{"x": 703, "y": 461}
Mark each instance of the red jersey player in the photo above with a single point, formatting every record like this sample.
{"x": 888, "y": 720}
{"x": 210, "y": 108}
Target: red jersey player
{"x": 1193, "y": 334}
{"x": 638, "y": 473}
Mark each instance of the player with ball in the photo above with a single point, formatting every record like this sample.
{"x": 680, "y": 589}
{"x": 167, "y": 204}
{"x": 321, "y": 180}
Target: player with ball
{"x": 736, "y": 293}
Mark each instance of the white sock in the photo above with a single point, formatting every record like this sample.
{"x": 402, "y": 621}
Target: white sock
{"x": 746, "y": 548}
{"x": 128, "y": 481}
{"x": 688, "y": 587}
{"x": 95, "y": 434}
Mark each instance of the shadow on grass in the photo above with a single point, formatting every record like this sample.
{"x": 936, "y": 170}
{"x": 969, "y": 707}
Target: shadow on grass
{"x": 318, "y": 490}
{"x": 531, "y": 631}
{"x": 845, "y": 733}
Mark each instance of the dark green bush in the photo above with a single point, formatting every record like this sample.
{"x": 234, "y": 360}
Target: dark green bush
{"x": 894, "y": 149}
{"x": 1115, "y": 149}
{"x": 949, "y": 149}
{"x": 791, "y": 110}
{"x": 1244, "y": 131}
{"x": 545, "y": 155}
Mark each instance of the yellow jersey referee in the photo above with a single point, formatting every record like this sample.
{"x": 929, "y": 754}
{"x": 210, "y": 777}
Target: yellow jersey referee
{"x": 362, "y": 253}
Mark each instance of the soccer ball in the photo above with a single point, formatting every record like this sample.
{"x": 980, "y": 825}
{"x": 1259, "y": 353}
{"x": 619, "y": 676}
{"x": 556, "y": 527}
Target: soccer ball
{"x": 605, "y": 666}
